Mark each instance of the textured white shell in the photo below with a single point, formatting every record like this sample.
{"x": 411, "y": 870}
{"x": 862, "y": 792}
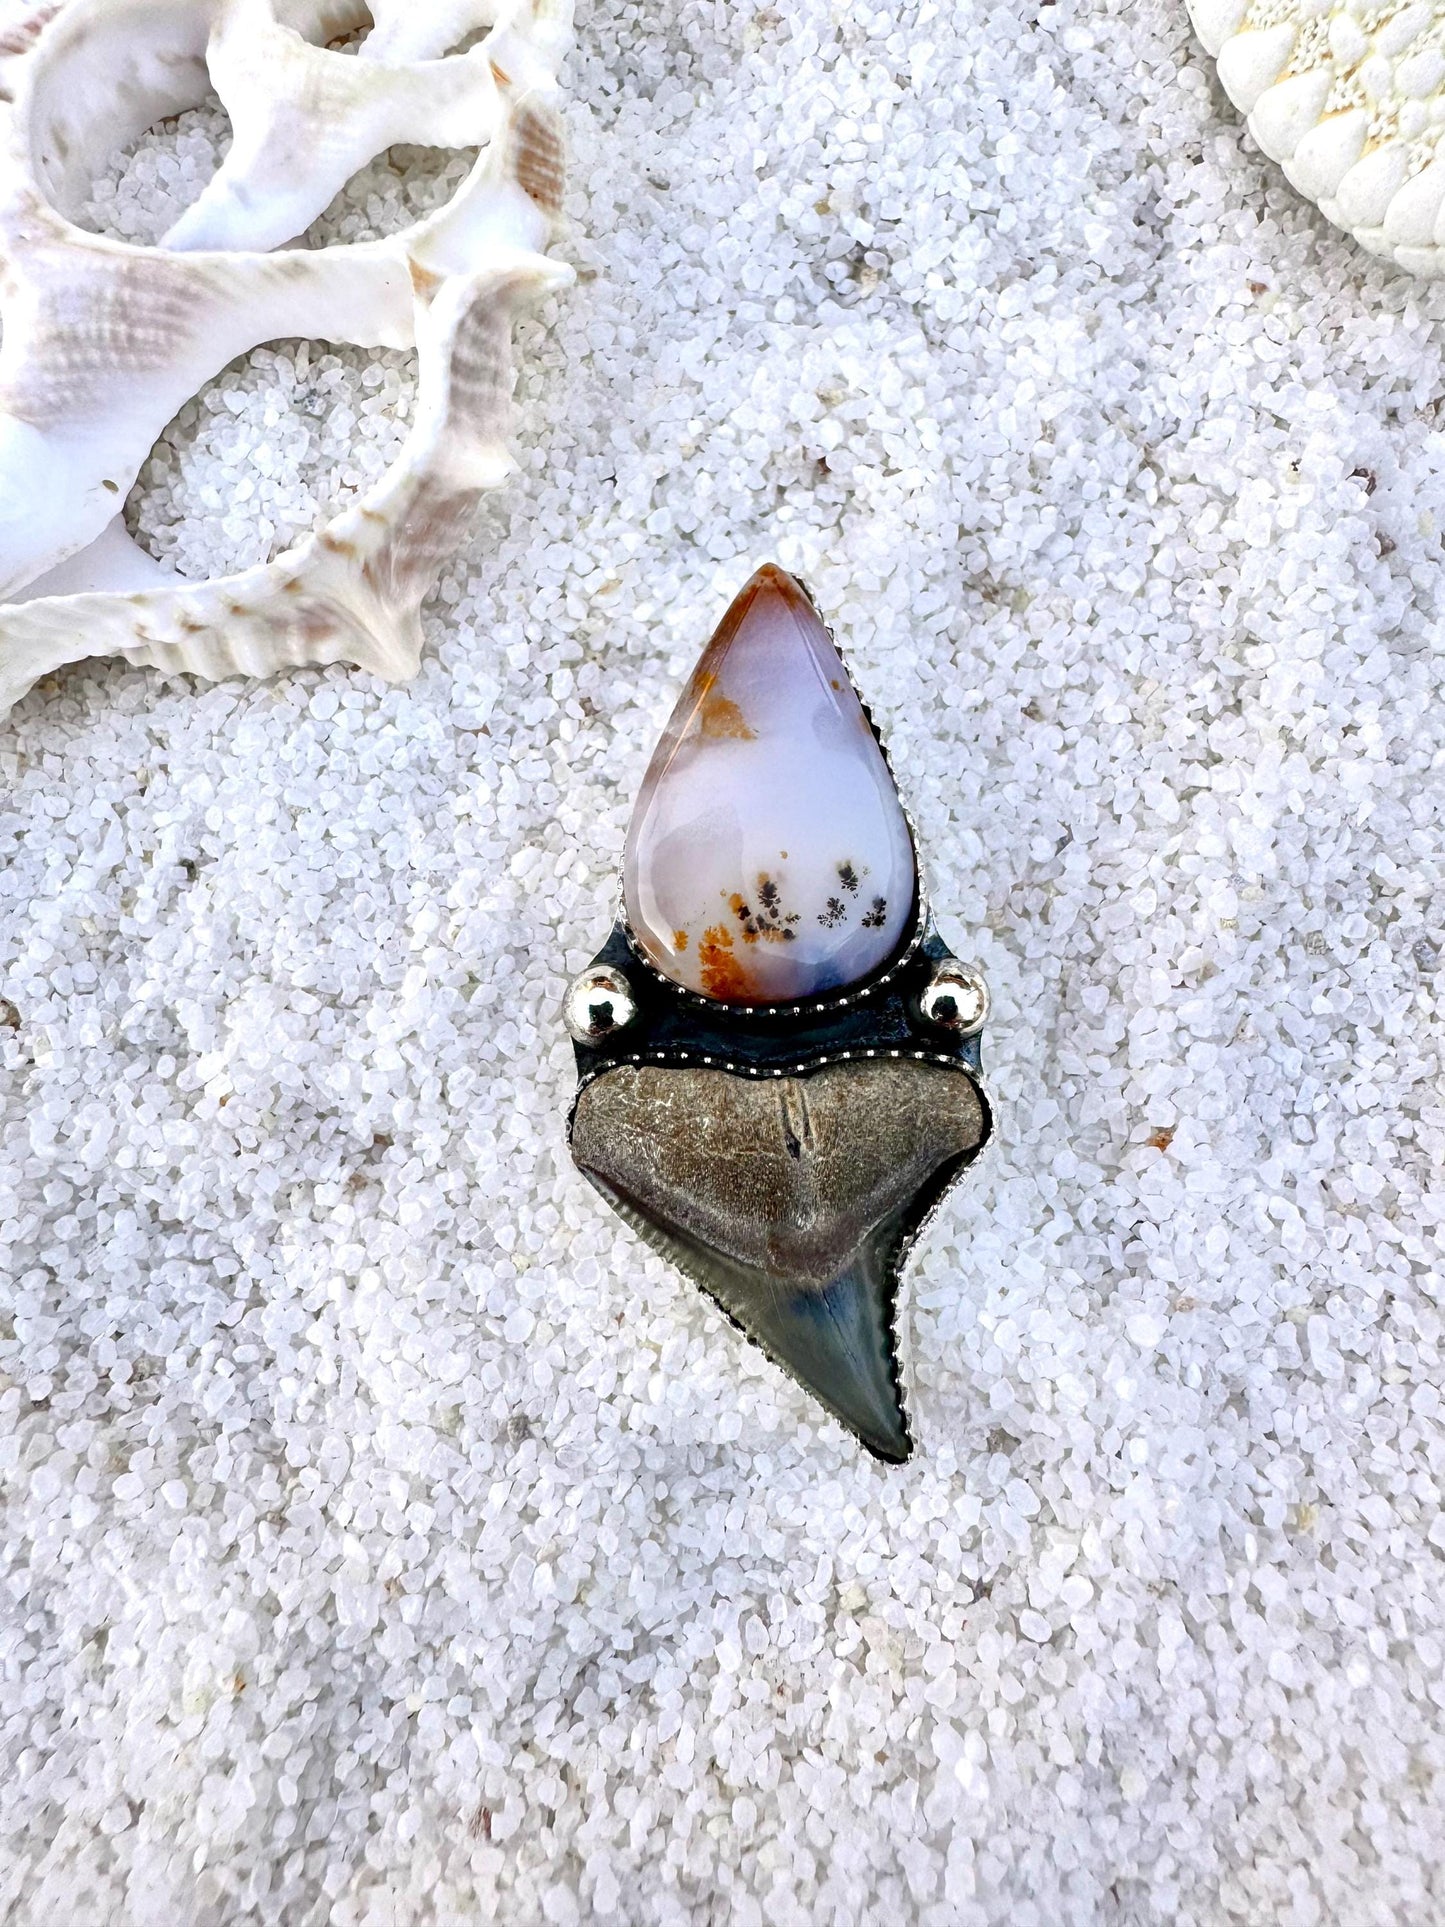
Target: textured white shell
{"x": 1349, "y": 98}
{"x": 103, "y": 342}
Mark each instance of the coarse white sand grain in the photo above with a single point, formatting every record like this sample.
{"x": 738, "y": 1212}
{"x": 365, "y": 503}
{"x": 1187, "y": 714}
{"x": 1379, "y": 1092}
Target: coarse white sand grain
{"x": 389, "y": 1538}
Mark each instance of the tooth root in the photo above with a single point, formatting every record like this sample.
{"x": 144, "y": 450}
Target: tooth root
{"x": 1326, "y": 154}
{"x": 1252, "y": 61}
{"x": 1286, "y": 112}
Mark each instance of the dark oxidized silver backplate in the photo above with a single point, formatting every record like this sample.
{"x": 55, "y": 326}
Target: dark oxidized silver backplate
{"x": 786, "y": 1162}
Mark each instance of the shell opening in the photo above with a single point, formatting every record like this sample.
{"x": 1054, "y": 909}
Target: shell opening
{"x": 310, "y": 427}
{"x": 142, "y": 186}
{"x": 111, "y": 76}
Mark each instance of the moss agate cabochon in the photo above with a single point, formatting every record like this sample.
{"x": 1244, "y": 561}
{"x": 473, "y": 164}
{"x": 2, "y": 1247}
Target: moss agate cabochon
{"x": 769, "y": 856}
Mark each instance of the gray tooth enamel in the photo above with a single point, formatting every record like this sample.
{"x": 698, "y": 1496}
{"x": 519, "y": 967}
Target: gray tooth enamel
{"x": 792, "y": 1201}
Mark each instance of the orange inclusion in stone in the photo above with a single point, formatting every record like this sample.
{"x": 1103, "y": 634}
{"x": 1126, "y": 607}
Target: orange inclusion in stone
{"x": 722, "y": 975}
{"x": 720, "y": 718}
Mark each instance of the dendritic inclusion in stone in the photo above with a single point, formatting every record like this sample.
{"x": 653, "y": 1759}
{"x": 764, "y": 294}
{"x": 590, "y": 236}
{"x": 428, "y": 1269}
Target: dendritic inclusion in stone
{"x": 769, "y": 857}
{"x": 792, "y": 1200}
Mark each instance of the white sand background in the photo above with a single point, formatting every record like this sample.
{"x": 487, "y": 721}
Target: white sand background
{"x": 389, "y": 1538}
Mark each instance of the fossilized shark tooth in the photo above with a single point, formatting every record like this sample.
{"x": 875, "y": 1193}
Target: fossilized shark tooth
{"x": 1350, "y": 100}
{"x": 779, "y": 1056}
{"x": 792, "y": 1201}
{"x": 104, "y": 342}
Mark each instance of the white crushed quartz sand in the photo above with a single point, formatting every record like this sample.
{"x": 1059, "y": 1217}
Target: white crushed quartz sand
{"x": 389, "y": 1538}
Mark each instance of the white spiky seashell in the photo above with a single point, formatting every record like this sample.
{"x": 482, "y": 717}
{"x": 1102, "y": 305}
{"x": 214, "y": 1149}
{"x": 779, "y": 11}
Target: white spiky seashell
{"x": 1349, "y": 98}
{"x": 104, "y": 342}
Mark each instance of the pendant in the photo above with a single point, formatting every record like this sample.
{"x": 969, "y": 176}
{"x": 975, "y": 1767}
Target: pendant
{"x": 778, "y": 1056}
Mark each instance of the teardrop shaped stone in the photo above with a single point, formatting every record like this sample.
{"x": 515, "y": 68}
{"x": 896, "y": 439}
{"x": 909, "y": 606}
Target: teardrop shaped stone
{"x": 769, "y": 857}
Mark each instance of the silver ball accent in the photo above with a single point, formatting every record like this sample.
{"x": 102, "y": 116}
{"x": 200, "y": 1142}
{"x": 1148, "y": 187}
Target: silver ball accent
{"x": 599, "y": 1004}
{"x": 956, "y": 1000}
